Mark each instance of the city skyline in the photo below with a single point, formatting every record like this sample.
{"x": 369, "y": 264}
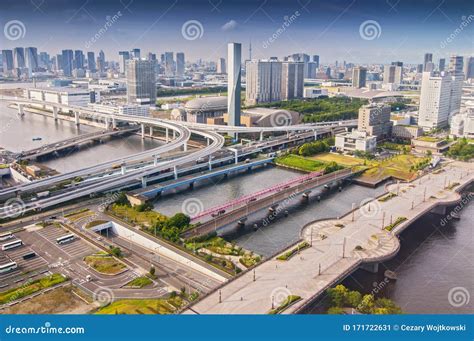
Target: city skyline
{"x": 364, "y": 34}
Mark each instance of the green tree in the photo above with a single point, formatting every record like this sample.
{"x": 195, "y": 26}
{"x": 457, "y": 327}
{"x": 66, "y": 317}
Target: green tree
{"x": 338, "y": 295}
{"x": 353, "y": 298}
{"x": 367, "y": 304}
{"x": 179, "y": 220}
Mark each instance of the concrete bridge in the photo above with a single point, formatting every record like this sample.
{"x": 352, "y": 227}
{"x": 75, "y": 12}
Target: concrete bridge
{"x": 73, "y": 142}
{"x": 239, "y": 209}
{"x": 337, "y": 247}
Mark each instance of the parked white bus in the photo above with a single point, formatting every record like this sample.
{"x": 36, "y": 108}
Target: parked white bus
{"x": 8, "y": 267}
{"x": 6, "y": 236}
{"x": 12, "y": 245}
{"x": 65, "y": 239}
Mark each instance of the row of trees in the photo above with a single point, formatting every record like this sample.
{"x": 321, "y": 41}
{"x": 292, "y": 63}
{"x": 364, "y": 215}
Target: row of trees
{"x": 342, "y": 297}
{"x": 316, "y": 147}
{"x": 462, "y": 150}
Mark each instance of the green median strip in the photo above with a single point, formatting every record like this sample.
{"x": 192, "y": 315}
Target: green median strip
{"x": 291, "y": 299}
{"x": 287, "y": 255}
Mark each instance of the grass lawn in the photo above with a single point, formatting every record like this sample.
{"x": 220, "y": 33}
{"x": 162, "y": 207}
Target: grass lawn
{"x": 343, "y": 160}
{"x": 397, "y": 167}
{"x": 216, "y": 245}
{"x": 146, "y": 306}
{"x": 95, "y": 223}
{"x": 129, "y": 214}
{"x": 139, "y": 282}
{"x": 428, "y": 139}
{"x": 30, "y": 287}
{"x": 105, "y": 264}
{"x": 300, "y": 162}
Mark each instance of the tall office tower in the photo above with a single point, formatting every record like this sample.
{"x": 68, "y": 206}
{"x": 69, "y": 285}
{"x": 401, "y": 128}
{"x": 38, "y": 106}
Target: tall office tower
{"x": 59, "y": 62}
{"x": 359, "y": 76}
{"x": 221, "y": 67}
{"x": 328, "y": 72}
{"x": 31, "y": 60}
{"x": 469, "y": 67}
{"x": 316, "y": 60}
{"x": 169, "y": 64}
{"x": 79, "y": 59}
{"x": 263, "y": 81}
{"x": 44, "y": 60}
{"x": 456, "y": 64}
{"x": 234, "y": 58}
{"x": 180, "y": 64}
{"x": 141, "y": 84}
{"x": 428, "y": 59}
{"x": 123, "y": 57}
{"x": 101, "y": 61}
{"x": 135, "y": 53}
{"x": 419, "y": 68}
{"x": 91, "y": 62}
{"x": 151, "y": 56}
{"x": 435, "y": 99}
{"x": 67, "y": 62}
{"x": 18, "y": 57}
{"x": 392, "y": 74}
{"x": 397, "y": 64}
{"x": 312, "y": 69}
{"x": 7, "y": 60}
{"x": 374, "y": 119}
{"x": 441, "y": 64}
{"x": 292, "y": 80}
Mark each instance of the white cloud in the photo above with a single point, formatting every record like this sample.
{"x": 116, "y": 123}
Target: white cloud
{"x": 230, "y": 25}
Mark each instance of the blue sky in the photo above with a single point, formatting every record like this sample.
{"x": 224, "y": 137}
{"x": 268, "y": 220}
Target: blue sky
{"x": 404, "y": 29}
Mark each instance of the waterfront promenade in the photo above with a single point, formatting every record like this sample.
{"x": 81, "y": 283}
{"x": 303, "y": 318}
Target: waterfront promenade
{"x": 338, "y": 247}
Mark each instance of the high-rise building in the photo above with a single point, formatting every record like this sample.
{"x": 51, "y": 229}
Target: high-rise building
{"x": 44, "y": 61}
{"x": 18, "y": 57}
{"x": 441, "y": 64}
{"x": 316, "y": 60}
{"x": 135, "y": 53}
{"x": 7, "y": 60}
{"x": 436, "y": 100}
{"x": 374, "y": 119}
{"x": 180, "y": 64}
{"x": 392, "y": 74}
{"x": 141, "y": 84}
{"x": 101, "y": 61}
{"x": 221, "y": 67}
{"x": 398, "y": 63}
{"x": 469, "y": 67}
{"x": 123, "y": 57}
{"x": 456, "y": 64}
{"x": 67, "y": 62}
{"x": 292, "y": 80}
{"x": 359, "y": 76}
{"x": 428, "y": 59}
{"x": 263, "y": 81}
{"x": 419, "y": 68}
{"x": 79, "y": 59}
{"x": 312, "y": 69}
{"x": 31, "y": 59}
{"x": 91, "y": 62}
{"x": 169, "y": 64}
{"x": 234, "y": 57}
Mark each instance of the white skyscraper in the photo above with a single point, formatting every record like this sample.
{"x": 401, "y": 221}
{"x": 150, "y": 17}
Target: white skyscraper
{"x": 234, "y": 57}
{"x": 141, "y": 85}
{"x": 435, "y": 100}
{"x": 292, "y": 80}
{"x": 221, "y": 66}
{"x": 392, "y": 74}
{"x": 263, "y": 81}
{"x": 123, "y": 56}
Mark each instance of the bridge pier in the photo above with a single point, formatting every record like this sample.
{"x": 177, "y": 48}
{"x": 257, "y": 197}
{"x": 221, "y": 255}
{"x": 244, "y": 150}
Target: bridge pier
{"x": 174, "y": 134}
{"x": 370, "y": 267}
{"x": 155, "y": 160}
{"x": 175, "y": 171}
{"x": 151, "y": 131}
{"x": 143, "y": 182}
{"x": 261, "y": 135}
{"x": 185, "y": 146}
{"x": 143, "y": 130}
{"x": 21, "y": 111}
{"x": 76, "y": 118}
{"x": 209, "y": 164}
{"x": 167, "y": 136}
{"x": 55, "y": 113}
{"x": 315, "y": 134}
{"x": 123, "y": 169}
{"x": 114, "y": 123}
{"x": 106, "y": 123}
